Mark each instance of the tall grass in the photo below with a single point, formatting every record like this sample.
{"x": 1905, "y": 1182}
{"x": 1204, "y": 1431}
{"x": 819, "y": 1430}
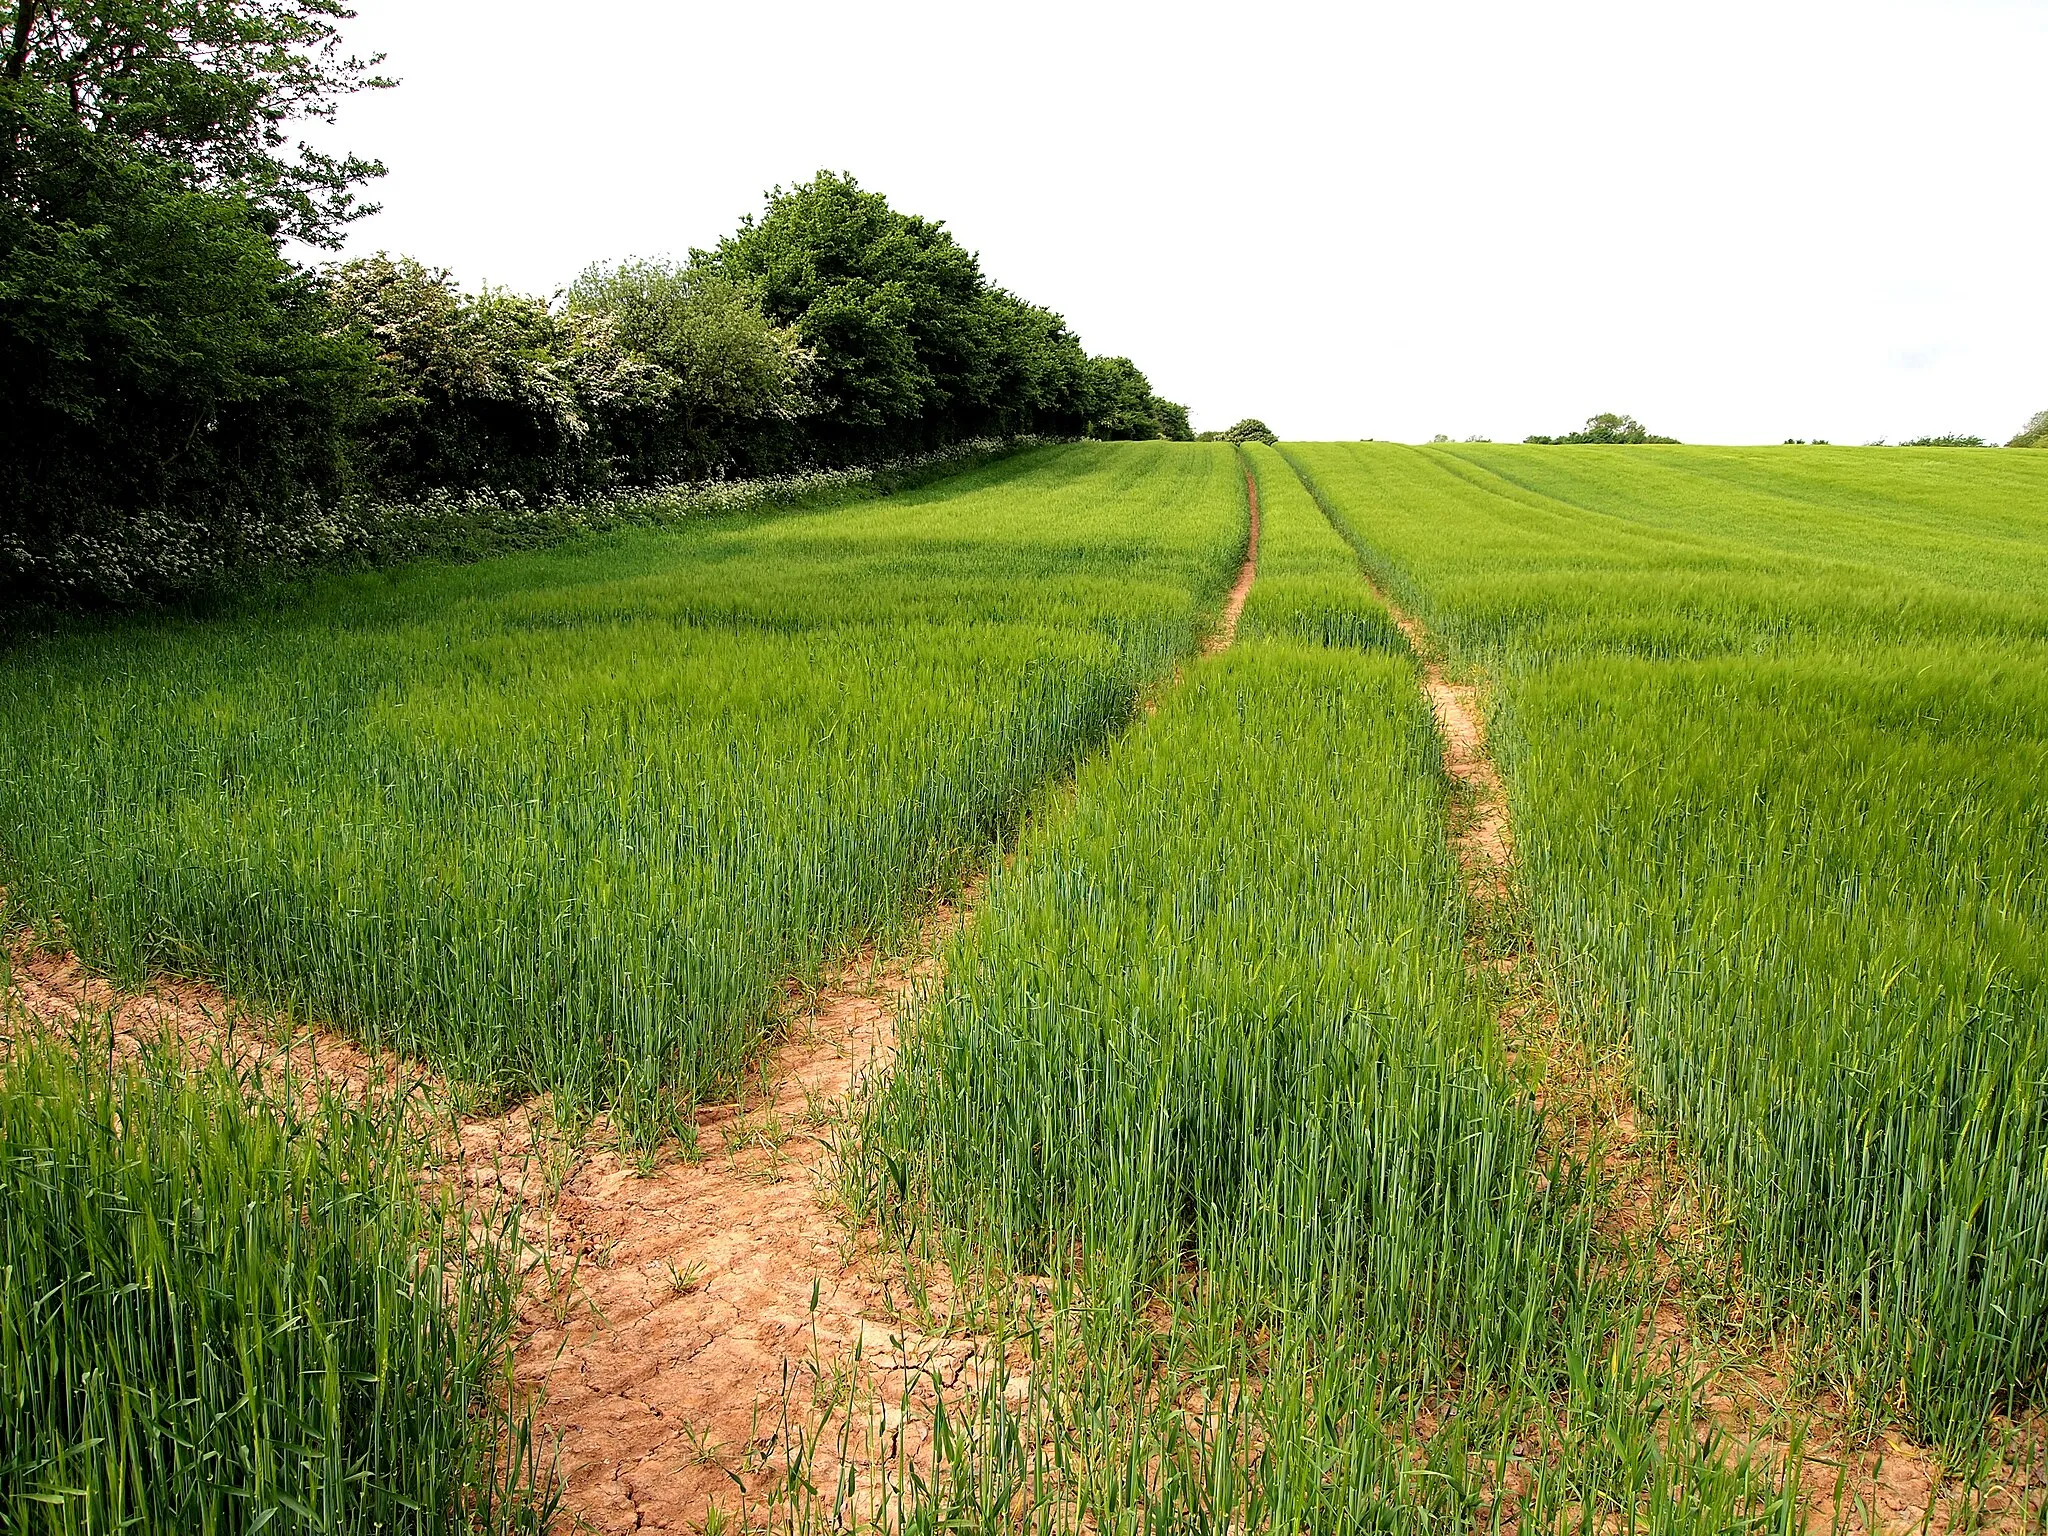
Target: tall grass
{"x": 219, "y": 1318}
{"x": 572, "y": 821}
{"x": 1308, "y": 586}
{"x": 1218, "y": 1015}
{"x": 1211, "y": 1040}
{"x": 1213, "y": 1060}
{"x": 1774, "y": 725}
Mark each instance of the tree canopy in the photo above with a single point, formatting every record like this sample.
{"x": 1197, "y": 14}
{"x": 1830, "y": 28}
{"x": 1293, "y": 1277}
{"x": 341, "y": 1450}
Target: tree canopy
{"x": 208, "y": 86}
{"x": 1607, "y": 427}
{"x": 179, "y": 401}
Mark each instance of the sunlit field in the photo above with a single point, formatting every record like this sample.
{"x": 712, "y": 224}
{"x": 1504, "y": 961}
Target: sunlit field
{"x": 1775, "y": 724}
{"x": 573, "y": 821}
{"x": 1239, "y": 1070}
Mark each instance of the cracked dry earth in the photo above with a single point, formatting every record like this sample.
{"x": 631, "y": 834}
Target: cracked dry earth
{"x": 680, "y": 1332}
{"x": 716, "y": 1307}
{"x": 1888, "y": 1486}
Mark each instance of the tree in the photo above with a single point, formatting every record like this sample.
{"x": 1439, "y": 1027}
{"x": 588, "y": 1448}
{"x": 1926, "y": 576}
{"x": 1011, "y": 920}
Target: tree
{"x": 2034, "y": 434}
{"x": 731, "y": 363}
{"x": 1120, "y": 401}
{"x": 733, "y": 375}
{"x": 169, "y": 405}
{"x": 173, "y": 407}
{"x": 1250, "y": 430}
{"x": 881, "y": 299}
{"x": 1607, "y": 427}
{"x": 207, "y": 86}
{"x": 1173, "y": 421}
{"x": 1030, "y": 373}
{"x": 499, "y": 389}
{"x": 911, "y": 345}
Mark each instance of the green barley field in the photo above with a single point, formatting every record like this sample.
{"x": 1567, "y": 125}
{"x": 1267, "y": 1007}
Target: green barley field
{"x": 1221, "y": 1058}
{"x": 1775, "y": 729}
{"x": 571, "y": 822}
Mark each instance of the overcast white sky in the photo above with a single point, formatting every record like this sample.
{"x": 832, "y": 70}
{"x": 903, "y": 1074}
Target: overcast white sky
{"x": 1739, "y": 221}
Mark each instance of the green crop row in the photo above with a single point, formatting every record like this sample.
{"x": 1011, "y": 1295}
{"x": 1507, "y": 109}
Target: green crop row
{"x": 1213, "y": 1060}
{"x": 227, "y": 1317}
{"x": 1211, "y": 1039}
{"x": 1308, "y": 587}
{"x": 572, "y": 821}
{"x": 1218, "y": 1015}
{"x": 1774, "y": 726}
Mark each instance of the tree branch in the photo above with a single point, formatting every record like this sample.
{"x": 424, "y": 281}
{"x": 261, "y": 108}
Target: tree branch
{"x": 17, "y": 54}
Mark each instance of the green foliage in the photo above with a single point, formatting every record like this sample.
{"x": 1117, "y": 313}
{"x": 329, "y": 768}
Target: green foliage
{"x": 184, "y": 409}
{"x": 490, "y": 391}
{"x": 1121, "y": 407}
{"x": 205, "y": 87}
{"x": 729, "y": 373}
{"x": 2034, "y": 434}
{"x": 573, "y": 822}
{"x": 219, "y": 1318}
{"x": 1607, "y": 427}
{"x": 1120, "y": 403}
{"x": 909, "y": 344}
{"x": 171, "y": 412}
{"x": 1250, "y": 430}
{"x": 1946, "y": 440}
{"x": 649, "y": 373}
{"x": 1727, "y": 679}
{"x": 169, "y": 409}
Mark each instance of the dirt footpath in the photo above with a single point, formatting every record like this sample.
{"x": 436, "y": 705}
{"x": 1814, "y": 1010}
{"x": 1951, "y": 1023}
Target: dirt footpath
{"x": 1887, "y": 1487}
{"x": 705, "y": 1340}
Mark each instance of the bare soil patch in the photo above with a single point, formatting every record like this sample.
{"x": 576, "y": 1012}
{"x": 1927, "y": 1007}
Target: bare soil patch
{"x": 54, "y": 991}
{"x": 701, "y": 1324}
{"x": 685, "y": 1336}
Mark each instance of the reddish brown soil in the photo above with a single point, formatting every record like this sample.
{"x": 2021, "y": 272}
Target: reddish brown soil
{"x": 56, "y": 992}
{"x": 703, "y": 1321}
{"x": 682, "y": 1332}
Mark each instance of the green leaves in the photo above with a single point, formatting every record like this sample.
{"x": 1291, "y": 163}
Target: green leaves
{"x": 204, "y": 87}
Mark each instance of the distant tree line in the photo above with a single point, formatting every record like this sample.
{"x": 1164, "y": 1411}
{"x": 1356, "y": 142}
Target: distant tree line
{"x": 2033, "y": 435}
{"x": 1607, "y": 427}
{"x": 178, "y": 399}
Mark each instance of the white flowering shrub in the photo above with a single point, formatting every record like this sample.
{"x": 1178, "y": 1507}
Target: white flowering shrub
{"x": 155, "y": 554}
